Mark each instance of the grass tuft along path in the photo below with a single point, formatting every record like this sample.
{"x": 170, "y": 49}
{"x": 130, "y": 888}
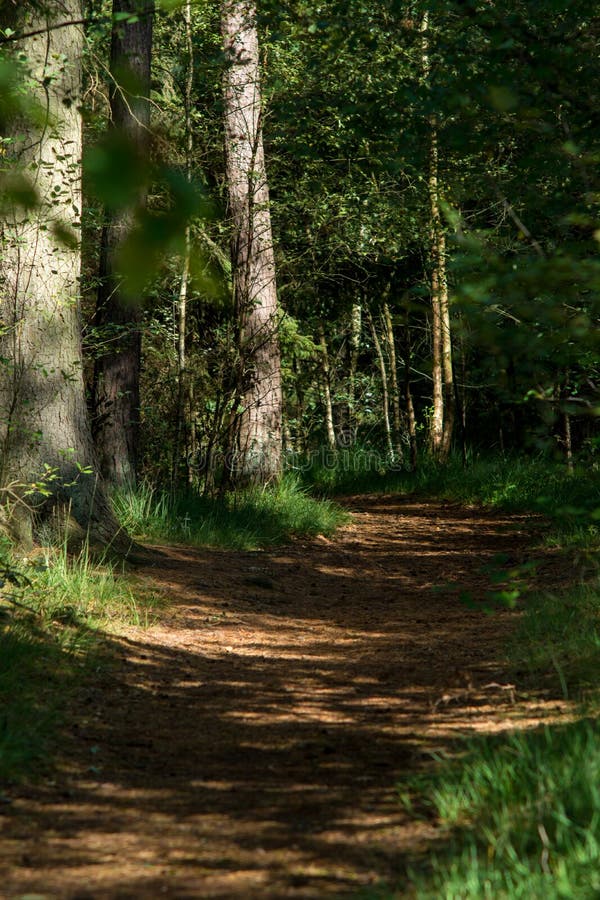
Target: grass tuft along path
{"x": 248, "y": 745}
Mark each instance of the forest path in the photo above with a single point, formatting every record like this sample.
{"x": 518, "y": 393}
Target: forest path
{"x": 248, "y": 745}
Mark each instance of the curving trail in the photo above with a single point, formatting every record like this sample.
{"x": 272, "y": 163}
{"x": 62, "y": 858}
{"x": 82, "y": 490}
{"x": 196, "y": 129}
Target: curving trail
{"x": 249, "y": 744}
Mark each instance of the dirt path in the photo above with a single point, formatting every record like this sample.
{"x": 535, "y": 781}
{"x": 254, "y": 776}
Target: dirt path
{"x": 248, "y": 745}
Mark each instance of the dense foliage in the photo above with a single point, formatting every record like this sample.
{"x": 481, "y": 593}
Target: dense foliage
{"x": 348, "y": 111}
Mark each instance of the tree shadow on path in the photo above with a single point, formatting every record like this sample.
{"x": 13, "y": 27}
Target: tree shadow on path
{"x": 248, "y": 745}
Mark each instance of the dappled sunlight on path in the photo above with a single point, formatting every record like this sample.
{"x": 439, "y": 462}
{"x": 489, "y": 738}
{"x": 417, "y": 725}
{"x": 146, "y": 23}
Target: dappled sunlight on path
{"x": 249, "y": 744}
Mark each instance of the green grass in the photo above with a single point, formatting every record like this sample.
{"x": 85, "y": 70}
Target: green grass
{"x": 571, "y": 503}
{"x": 521, "y": 814}
{"x": 557, "y": 641}
{"x": 52, "y": 622}
{"x": 78, "y": 591}
{"x": 246, "y": 521}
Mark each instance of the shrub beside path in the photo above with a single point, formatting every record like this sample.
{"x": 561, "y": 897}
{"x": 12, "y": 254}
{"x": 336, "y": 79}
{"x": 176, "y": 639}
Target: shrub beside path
{"x": 248, "y": 744}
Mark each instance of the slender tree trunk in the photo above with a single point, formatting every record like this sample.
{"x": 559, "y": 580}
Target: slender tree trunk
{"x": 444, "y": 399}
{"x": 436, "y": 423}
{"x": 447, "y": 364}
{"x": 256, "y": 454}
{"x": 355, "y": 332}
{"x": 385, "y": 402}
{"x": 183, "y": 397}
{"x": 300, "y": 406}
{"x": 410, "y": 408}
{"x": 568, "y": 442}
{"x": 443, "y": 402}
{"x": 567, "y": 435}
{"x": 395, "y": 390}
{"x": 44, "y": 428}
{"x": 183, "y": 381}
{"x": 116, "y": 388}
{"x": 326, "y": 369}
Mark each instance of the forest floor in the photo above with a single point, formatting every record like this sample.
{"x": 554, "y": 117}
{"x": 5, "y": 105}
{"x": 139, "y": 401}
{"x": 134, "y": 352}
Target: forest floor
{"x": 249, "y": 743}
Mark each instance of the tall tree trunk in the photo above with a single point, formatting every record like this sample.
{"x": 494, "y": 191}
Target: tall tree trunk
{"x": 568, "y": 442}
{"x": 355, "y": 332}
{"x": 436, "y": 422}
{"x": 326, "y": 369}
{"x": 566, "y": 418}
{"x": 301, "y": 395}
{"x": 256, "y": 454}
{"x": 410, "y": 408}
{"x": 116, "y": 388}
{"x": 444, "y": 397}
{"x": 443, "y": 401}
{"x": 385, "y": 403}
{"x": 45, "y": 436}
{"x": 395, "y": 391}
{"x": 184, "y": 386}
{"x": 447, "y": 364}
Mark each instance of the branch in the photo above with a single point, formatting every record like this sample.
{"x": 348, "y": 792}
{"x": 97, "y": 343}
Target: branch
{"x": 11, "y": 38}
{"x": 21, "y": 36}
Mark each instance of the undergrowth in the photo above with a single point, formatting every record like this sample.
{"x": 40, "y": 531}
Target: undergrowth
{"x": 521, "y": 813}
{"x": 557, "y": 640}
{"x": 53, "y": 609}
{"x": 569, "y": 502}
{"x": 246, "y": 521}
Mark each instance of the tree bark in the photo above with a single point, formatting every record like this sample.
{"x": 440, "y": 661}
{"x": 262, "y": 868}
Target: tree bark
{"x": 395, "y": 391}
{"x": 441, "y": 425}
{"x": 410, "y": 408}
{"x": 566, "y": 417}
{"x": 436, "y": 422}
{"x": 256, "y": 454}
{"x": 568, "y": 442}
{"x": 385, "y": 403}
{"x": 355, "y": 332}
{"x": 45, "y": 437}
{"x": 326, "y": 369}
{"x": 184, "y": 386}
{"x": 116, "y": 387}
{"x": 447, "y": 364}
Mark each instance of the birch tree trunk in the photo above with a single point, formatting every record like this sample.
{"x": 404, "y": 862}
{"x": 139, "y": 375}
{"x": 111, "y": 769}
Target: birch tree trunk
{"x": 436, "y": 422}
{"x": 45, "y": 435}
{"x": 385, "y": 403}
{"x": 443, "y": 413}
{"x": 410, "y": 408}
{"x": 116, "y": 388}
{"x": 326, "y": 368}
{"x": 355, "y": 333}
{"x": 184, "y": 386}
{"x": 395, "y": 391}
{"x": 447, "y": 365}
{"x": 256, "y": 454}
